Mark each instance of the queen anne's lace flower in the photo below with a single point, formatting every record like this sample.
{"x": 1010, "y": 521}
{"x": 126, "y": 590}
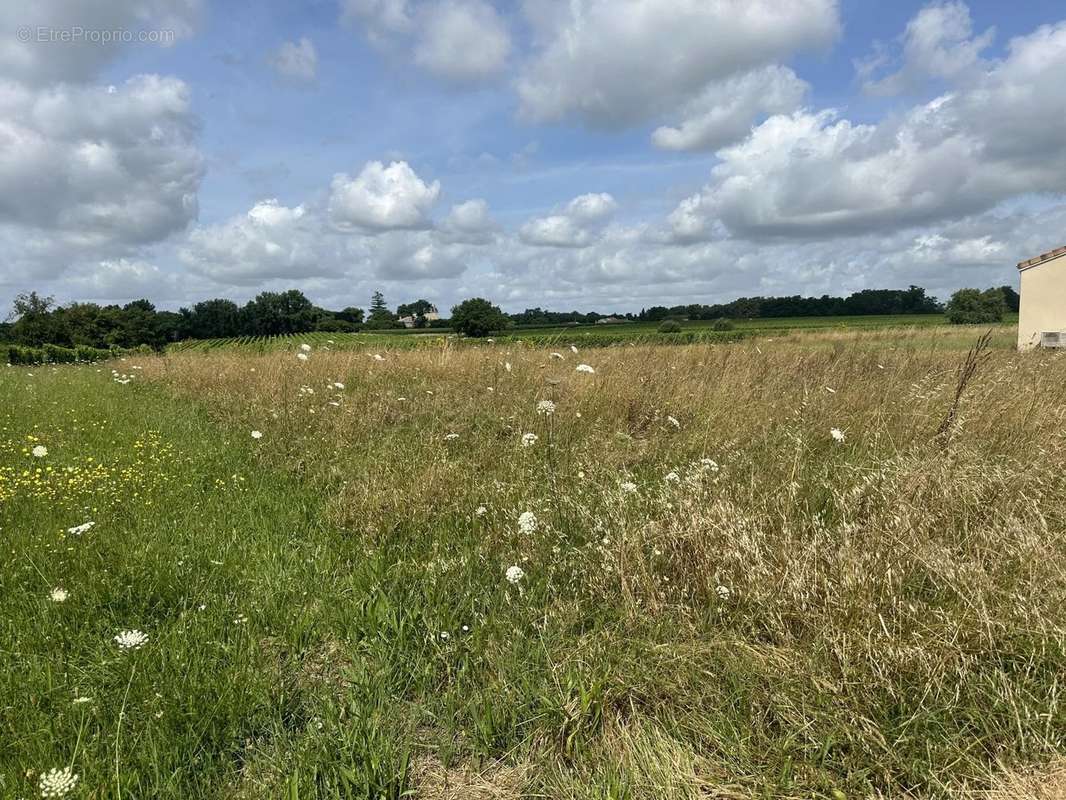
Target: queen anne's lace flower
{"x": 59, "y": 595}
{"x": 40, "y": 451}
{"x": 130, "y": 640}
{"x": 527, "y": 522}
{"x": 585, "y": 368}
{"x": 546, "y": 407}
{"x": 257, "y": 434}
{"x": 78, "y": 530}
{"x": 515, "y": 574}
{"x": 57, "y": 782}
{"x": 837, "y": 434}
{"x": 529, "y": 439}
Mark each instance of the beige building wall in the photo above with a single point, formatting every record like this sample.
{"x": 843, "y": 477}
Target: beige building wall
{"x": 1043, "y": 304}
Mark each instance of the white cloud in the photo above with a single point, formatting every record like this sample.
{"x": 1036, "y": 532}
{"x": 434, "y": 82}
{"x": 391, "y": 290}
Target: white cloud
{"x": 296, "y": 61}
{"x": 99, "y": 169}
{"x": 938, "y": 43}
{"x": 44, "y": 58}
{"x": 469, "y": 223}
{"x": 576, "y": 225}
{"x": 270, "y": 241}
{"x": 813, "y": 174}
{"x": 462, "y": 40}
{"x": 613, "y": 63}
{"x": 381, "y": 198}
{"x": 723, "y": 113}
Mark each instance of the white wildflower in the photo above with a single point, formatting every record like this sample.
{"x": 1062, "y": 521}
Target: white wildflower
{"x": 573, "y": 349}
{"x": 445, "y": 636}
{"x": 709, "y": 464}
{"x": 59, "y": 595}
{"x": 672, "y": 477}
{"x": 723, "y": 592}
{"x": 302, "y": 356}
{"x": 837, "y": 434}
{"x": 379, "y": 357}
{"x": 306, "y": 348}
{"x": 40, "y": 451}
{"x": 78, "y": 530}
{"x": 557, "y": 355}
{"x": 628, "y": 487}
{"x": 449, "y": 437}
{"x": 529, "y": 439}
{"x": 57, "y": 782}
{"x": 130, "y": 640}
{"x": 338, "y": 385}
{"x": 527, "y": 522}
{"x": 585, "y": 368}
{"x": 81, "y": 700}
{"x": 515, "y": 574}
{"x": 257, "y": 434}
{"x": 546, "y": 407}
{"x": 673, "y": 421}
{"x": 507, "y": 365}
{"x": 481, "y": 511}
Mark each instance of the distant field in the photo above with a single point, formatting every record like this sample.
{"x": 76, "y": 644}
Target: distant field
{"x": 583, "y": 335}
{"x": 803, "y": 566}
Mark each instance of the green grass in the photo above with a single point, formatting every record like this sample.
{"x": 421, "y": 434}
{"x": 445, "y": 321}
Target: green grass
{"x": 561, "y": 335}
{"x": 328, "y": 615}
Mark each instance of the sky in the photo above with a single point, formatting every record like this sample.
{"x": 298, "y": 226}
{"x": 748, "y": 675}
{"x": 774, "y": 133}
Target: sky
{"x": 570, "y": 154}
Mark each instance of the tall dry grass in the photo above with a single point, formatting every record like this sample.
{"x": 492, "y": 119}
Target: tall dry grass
{"x": 769, "y": 612}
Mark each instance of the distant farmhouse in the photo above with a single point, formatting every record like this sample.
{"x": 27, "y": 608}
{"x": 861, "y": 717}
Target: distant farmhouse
{"x": 431, "y": 315}
{"x": 1042, "y": 316}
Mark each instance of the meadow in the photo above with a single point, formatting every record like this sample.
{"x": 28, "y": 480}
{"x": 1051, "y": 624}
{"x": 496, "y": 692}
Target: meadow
{"x": 824, "y": 564}
{"x": 634, "y": 333}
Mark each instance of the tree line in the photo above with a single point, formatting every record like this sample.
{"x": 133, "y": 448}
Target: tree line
{"x": 37, "y": 320}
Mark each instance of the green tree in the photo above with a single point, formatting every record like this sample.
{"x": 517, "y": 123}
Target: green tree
{"x": 478, "y": 317}
{"x": 351, "y": 314}
{"x": 1012, "y": 298}
{"x": 380, "y": 316}
{"x": 213, "y": 319}
{"x": 275, "y": 313}
{"x": 972, "y": 307}
{"x": 34, "y": 323}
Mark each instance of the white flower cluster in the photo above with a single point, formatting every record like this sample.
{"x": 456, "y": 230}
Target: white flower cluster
{"x": 78, "y": 530}
{"x": 59, "y": 595}
{"x": 527, "y": 522}
{"x": 57, "y": 782}
{"x": 40, "y": 451}
{"x": 546, "y": 408}
{"x": 529, "y": 439}
{"x": 130, "y": 640}
{"x": 515, "y": 574}
{"x": 585, "y": 368}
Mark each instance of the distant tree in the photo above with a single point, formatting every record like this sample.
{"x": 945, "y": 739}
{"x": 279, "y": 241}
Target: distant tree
{"x": 723, "y": 324}
{"x": 275, "y": 313}
{"x": 972, "y": 307}
{"x": 417, "y": 310}
{"x": 213, "y": 319}
{"x": 669, "y": 326}
{"x": 1011, "y": 298}
{"x": 351, "y": 314}
{"x": 33, "y": 323}
{"x": 478, "y": 317}
{"x": 380, "y": 317}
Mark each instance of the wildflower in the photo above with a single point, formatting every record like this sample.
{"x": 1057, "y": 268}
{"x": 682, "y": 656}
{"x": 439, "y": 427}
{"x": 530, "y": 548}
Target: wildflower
{"x": 585, "y": 368}
{"x": 709, "y": 464}
{"x": 628, "y": 487}
{"x": 481, "y": 511}
{"x": 302, "y": 356}
{"x": 546, "y": 407}
{"x": 59, "y": 595}
{"x": 338, "y": 385}
{"x": 466, "y": 629}
{"x": 130, "y": 640}
{"x": 837, "y": 434}
{"x": 257, "y": 434}
{"x": 449, "y": 437}
{"x": 306, "y": 348}
{"x": 527, "y": 522}
{"x": 379, "y": 357}
{"x": 81, "y": 700}
{"x": 723, "y": 592}
{"x": 573, "y": 349}
{"x": 40, "y": 451}
{"x": 557, "y": 355}
{"x": 529, "y": 439}
{"x": 672, "y": 477}
{"x": 507, "y": 365}
{"x": 515, "y": 574}
{"x": 673, "y": 421}
{"x": 445, "y": 636}
{"x": 57, "y": 782}
{"x": 78, "y": 530}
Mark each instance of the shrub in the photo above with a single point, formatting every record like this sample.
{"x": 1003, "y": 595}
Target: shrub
{"x": 478, "y": 317}
{"x": 723, "y": 324}
{"x": 54, "y": 354}
{"x": 973, "y": 307}
{"x": 670, "y": 326}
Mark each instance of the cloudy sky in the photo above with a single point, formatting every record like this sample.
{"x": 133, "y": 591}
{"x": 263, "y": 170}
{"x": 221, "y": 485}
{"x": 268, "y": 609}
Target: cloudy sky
{"x": 591, "y": 154}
